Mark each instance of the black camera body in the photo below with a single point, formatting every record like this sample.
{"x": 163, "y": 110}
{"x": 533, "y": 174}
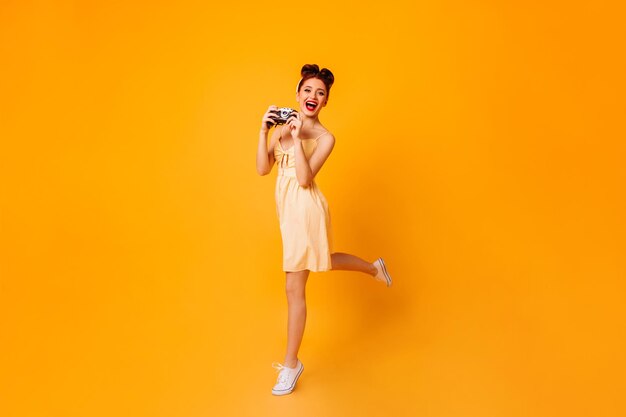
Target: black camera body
{"x": 281, "y": 115}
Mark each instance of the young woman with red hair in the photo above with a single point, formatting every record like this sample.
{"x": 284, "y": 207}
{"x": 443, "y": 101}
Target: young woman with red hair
{"x": 299, "y": 148}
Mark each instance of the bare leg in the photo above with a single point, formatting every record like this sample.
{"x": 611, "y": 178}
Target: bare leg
{"x": 295, "y": 288}
{"x": 347, "y": 262}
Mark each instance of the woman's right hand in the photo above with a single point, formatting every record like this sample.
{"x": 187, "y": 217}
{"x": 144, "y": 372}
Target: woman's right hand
{"x": 267, "y": 119}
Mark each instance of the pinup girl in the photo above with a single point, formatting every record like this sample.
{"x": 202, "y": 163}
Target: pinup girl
{"x": 299, "y": 148}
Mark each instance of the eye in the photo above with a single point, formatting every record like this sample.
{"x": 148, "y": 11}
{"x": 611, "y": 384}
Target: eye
{"x": 307, "y": 90}
{"x": 321, "y": 93}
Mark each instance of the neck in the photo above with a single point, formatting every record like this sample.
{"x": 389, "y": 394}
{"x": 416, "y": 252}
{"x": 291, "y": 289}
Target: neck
{"x": 309, "y": 122}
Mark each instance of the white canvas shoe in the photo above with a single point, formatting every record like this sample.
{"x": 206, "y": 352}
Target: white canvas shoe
{"x": 287, "y": 378}
{"x": 382, "y": 274}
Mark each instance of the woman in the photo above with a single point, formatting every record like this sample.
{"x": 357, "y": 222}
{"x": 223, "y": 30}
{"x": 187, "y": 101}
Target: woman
{"x": 299, "y": 148}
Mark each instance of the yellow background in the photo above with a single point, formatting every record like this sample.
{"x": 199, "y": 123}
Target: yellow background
{"x": 480, "y": 150}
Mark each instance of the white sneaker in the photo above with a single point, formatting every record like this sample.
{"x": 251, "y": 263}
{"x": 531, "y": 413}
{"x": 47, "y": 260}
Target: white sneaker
{"x": 287, "y": 378}
{"x": 382, "y": 274}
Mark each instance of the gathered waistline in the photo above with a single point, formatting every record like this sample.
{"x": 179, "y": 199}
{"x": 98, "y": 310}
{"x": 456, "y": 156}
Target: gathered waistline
{"x": 287, "y": 172}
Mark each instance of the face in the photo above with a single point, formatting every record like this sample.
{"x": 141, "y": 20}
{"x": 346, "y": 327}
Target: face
{"x": 312, "y": 96}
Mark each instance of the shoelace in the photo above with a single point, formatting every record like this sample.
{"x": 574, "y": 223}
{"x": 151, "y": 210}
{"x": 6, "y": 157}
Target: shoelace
{"x": 283, "y": 372}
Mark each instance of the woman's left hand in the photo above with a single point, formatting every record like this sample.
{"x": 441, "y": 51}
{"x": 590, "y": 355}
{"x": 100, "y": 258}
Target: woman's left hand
{"x": 295, "y": 125}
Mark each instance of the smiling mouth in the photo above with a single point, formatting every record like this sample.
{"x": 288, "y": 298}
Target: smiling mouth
{"x": 311, "y": 105}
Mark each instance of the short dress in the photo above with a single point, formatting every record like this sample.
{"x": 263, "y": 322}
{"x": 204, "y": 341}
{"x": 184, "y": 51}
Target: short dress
{"x": 303, "y": 214}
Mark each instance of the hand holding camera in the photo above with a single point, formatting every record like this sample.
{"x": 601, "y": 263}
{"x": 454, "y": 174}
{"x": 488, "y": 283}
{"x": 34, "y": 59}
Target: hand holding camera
{"x": 295, "y": 126}
{"x": 278, "y": 116}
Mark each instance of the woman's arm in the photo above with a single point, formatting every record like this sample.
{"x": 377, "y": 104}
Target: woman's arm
{"x": 306, "y": 170}
{"x": 264, "y": 156}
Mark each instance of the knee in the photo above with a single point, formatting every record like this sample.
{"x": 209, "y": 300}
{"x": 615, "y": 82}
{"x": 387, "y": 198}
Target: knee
{"x": 295, "y": 291}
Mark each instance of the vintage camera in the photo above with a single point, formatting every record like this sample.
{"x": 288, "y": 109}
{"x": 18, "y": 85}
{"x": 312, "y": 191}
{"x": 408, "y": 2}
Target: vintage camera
{"x": 280, "y": 115}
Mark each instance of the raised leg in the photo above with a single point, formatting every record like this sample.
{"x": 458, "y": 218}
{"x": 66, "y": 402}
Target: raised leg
{"x": 347, "y": 262}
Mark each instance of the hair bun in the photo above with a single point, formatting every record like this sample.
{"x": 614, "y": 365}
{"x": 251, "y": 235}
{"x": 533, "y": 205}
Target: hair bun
{"x": 309, "y": 69}
{"x": 327, "y": 75}
{"x": 313, "y": 70}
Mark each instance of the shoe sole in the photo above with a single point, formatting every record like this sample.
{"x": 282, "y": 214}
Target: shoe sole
{"x": 385, "y": 273}
{"x": 293, "y": 386}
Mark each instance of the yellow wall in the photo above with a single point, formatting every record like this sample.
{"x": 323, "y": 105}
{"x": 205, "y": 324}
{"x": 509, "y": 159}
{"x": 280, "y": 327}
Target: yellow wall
{"x": 480, "y": 150}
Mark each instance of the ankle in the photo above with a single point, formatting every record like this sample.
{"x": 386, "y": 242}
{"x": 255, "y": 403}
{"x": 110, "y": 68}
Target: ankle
{"x": 291, "y": 363}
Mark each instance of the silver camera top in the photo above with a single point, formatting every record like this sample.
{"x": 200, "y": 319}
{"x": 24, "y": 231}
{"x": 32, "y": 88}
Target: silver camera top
{"x": 285, "y": 112}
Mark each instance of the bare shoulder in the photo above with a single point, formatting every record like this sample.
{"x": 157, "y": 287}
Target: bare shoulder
{"x": 327, "y": 138}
